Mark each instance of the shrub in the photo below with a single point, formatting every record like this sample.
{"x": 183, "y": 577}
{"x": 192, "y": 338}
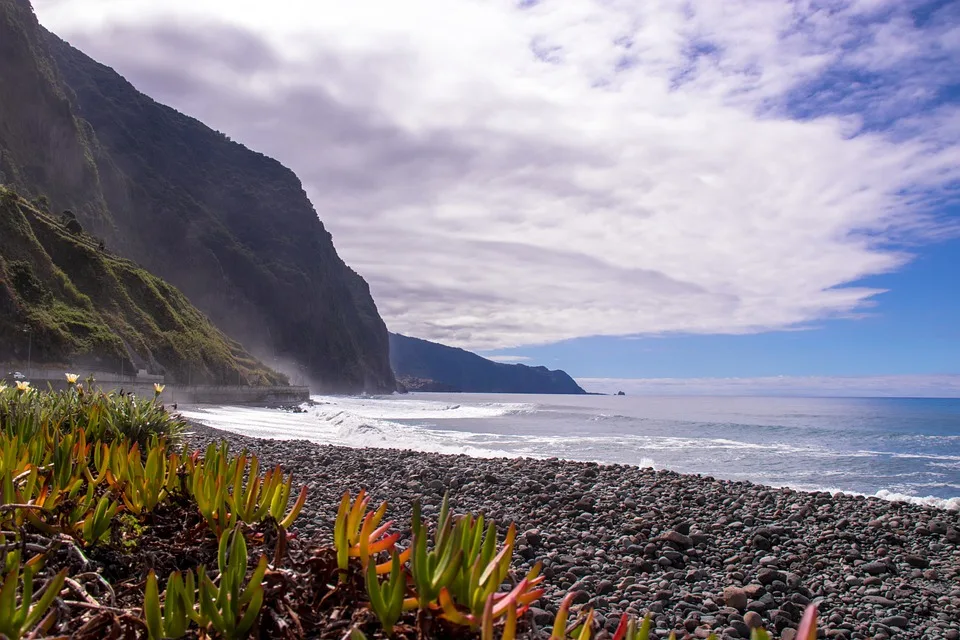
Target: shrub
{"x": 72, "y": 461}
{"x": 102, "y": 416}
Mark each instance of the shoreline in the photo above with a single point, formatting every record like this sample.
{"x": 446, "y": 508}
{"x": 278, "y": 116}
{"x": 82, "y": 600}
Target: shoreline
{"x": 947, "y": 503}
{"x": 696, "y": 551}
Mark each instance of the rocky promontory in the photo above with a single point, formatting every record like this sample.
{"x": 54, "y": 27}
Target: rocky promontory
{"x": 421, "y": 365}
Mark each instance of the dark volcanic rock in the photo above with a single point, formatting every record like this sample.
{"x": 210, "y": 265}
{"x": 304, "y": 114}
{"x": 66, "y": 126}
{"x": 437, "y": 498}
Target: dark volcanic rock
{"x": 875, "y": 568}
{"x": 682, "y": 541}
{"x": 916, "y": 561}
{"x": 735, "y": 597}
{"x": 623, "y": 559}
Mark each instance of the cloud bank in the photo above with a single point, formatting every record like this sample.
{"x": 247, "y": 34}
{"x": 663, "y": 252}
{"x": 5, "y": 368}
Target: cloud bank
{"x": 508, "y": 173}
{"x": 509, "y": 359}
{"x": 907, "y": 386}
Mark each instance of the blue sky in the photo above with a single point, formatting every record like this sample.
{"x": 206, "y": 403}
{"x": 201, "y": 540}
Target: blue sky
{"x": 914, "y": 329}
{"x": 621, "y": 189}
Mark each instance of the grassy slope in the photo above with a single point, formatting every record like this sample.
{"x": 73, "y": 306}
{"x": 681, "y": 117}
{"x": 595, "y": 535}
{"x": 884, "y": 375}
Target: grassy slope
{"x": 84, "y": 305}
{"x": 229, "y": 227}
{"x": 232, "y": 228}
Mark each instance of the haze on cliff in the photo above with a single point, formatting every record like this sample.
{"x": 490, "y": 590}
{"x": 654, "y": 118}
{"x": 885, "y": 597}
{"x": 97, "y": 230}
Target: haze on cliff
{"x": 509, "y": 173}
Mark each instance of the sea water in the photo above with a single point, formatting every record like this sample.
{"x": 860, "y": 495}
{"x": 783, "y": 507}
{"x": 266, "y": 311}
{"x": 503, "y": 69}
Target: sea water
{"x": 894, "y": 448}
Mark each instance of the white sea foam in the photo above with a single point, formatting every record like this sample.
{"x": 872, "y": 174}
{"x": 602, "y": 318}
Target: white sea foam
{"x": 489, "y": 429}
{"x": 950, "y": 504}
{"x": 947, "y": 504}
{"x": 331, "y": 424}
{"x": 399, "y": 408}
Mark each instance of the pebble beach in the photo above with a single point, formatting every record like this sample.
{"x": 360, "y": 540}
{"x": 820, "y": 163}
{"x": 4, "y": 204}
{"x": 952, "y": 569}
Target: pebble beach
{"x": 701, "y": 554}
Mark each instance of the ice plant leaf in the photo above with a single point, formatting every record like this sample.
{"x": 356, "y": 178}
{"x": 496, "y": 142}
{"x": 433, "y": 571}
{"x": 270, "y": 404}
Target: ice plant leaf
{"x": 644, "y": 632}
{"x": 560, "y": 622}
{"x": 509, "y": 599}
{"x": 256, "y": 581}
{"x": 356, "y": 513}
{"x": 450, "y": 611}
{"x": 384, "y": 567}
{"x": 621, "y": 631}
{"x": 510, "y": 628}
{"x": 40, "y": 606}
{"x": 808, "y": 624}
{"x": 355, "y": 634}
{"x": 587, "y": 629}
{"x": 386, "y": 600}
{"x": 295, "y": 510}
{"x": 250, "y": 615}
{"x": 486, "y": 626}
{"x": 340, "y": 537}
{"x": 151, "y": 608}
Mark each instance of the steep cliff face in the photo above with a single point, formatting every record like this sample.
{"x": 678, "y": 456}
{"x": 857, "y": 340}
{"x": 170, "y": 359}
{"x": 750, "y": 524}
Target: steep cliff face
{"x": 231, "y": 228}
{"x": 85, "y": 306}
{"x": 44, "y": 149}
{"x": 421, "y": 365}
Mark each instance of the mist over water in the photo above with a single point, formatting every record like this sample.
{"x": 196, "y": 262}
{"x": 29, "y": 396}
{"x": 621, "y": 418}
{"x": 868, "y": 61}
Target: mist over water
{"x": 892, "y": 448}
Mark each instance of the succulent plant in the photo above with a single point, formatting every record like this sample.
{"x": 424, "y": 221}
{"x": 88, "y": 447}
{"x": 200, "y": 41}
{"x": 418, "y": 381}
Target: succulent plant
{"x": 18, "y": 618}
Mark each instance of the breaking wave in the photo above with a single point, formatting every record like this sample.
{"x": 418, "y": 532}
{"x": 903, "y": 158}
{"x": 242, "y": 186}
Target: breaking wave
{"x": 899, "y": 467}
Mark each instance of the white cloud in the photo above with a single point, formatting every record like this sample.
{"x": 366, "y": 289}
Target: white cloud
{"x": 912, "y": 386}
{"x": 506, "y": 176}
{"x": 509, "y": 359}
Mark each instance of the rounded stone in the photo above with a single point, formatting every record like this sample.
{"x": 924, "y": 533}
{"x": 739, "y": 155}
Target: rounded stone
{"x": 753, "y": 619}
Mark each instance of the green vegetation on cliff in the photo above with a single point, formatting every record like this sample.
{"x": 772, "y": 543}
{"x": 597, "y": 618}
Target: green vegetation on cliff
{"x": 85, "y": 306}
{"x": 231, "y": 228}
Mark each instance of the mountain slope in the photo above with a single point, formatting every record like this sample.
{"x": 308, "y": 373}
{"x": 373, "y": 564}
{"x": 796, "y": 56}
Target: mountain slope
{"x": 435, "y": 367}
{"x": 85, "y": 306}
{"x": 230, "y": 227}
{"x": 44, "y": 149}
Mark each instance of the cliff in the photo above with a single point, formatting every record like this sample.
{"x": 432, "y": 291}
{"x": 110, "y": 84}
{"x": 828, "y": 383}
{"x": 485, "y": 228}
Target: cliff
{"x": 229, "y": 227}
{"x": 85, "y": 306}
{"x": 428, "y": 366}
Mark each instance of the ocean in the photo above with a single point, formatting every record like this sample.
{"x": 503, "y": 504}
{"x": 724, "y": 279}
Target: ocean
{"x": 893, "y": 448}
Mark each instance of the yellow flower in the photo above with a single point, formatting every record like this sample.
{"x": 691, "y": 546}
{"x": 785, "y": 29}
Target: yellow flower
{"x": 3, "y": 388}
{"x": 158, "y": 388}
{"x": 71, "y": 378}
{"x": 23, "y": 386}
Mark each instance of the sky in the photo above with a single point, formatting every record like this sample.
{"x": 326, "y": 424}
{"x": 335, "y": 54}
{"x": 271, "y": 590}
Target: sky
{"x": 732, "y": 190}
